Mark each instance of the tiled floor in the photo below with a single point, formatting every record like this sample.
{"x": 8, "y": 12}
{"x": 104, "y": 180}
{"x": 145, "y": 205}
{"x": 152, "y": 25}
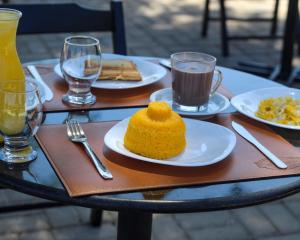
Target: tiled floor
{"x": 159, "y": 28}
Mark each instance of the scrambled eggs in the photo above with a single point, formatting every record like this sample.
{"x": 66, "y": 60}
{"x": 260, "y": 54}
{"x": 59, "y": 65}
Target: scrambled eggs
{"x": 284, "y": 110}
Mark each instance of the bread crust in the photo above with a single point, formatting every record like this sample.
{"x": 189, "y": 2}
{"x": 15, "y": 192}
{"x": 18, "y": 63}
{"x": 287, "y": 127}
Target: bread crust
{"x": 117, "y": 69}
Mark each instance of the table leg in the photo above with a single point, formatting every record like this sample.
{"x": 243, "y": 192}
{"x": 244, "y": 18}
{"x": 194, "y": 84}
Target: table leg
{"x": 224, "y": 33}
{"x": 274, "y": 19}
{"x": 96, "y": 217}
{"x": 134, "y": 225}
{"x": 288, "y": 40}
{"x": 205, "y": 19}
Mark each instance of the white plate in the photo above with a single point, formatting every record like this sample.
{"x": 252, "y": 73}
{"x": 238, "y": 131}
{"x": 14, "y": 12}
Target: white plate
{"x": 149, "y": 71}
{"x": 217, "y": 103}
{"x": 247, "y": 103}
{"x": 201, "y": 148}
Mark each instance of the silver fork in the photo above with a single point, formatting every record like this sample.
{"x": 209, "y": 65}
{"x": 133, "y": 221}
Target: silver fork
{"x": 76, "y": 134}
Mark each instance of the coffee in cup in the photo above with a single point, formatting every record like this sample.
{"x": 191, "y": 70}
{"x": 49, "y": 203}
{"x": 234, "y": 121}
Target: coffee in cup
{"x": 192, "y": 77}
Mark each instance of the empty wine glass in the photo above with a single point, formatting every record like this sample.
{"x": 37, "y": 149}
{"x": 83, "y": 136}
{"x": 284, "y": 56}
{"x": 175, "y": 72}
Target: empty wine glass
{"x": 80, "y": 64}
{"x": 20, "y": 117}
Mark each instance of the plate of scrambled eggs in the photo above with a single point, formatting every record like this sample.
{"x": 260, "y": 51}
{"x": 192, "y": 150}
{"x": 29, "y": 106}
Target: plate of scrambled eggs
{"x": 277, "y": 106}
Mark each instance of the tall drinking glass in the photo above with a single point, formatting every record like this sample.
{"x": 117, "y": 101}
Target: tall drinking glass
{"x": 21, "y": 116}
{"x": 80, "y": 64}
{"x": 10, "y": 66}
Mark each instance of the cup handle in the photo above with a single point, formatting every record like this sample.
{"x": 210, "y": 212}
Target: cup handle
{"x": 218, "y": 83}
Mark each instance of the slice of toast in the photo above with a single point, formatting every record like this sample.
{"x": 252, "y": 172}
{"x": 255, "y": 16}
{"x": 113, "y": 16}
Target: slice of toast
{"x": 117, "y": 69}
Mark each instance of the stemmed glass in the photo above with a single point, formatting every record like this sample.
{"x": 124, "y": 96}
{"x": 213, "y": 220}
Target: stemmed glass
{"x": 80, "y": 64}
{"x": 20, "y": 117}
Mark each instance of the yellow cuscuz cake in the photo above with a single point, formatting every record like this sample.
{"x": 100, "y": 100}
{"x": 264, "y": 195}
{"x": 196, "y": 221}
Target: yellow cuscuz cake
{"x": 156, "y": 132}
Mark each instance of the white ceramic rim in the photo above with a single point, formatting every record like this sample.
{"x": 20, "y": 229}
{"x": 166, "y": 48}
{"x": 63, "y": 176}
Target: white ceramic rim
{"x": 235, "y": 99}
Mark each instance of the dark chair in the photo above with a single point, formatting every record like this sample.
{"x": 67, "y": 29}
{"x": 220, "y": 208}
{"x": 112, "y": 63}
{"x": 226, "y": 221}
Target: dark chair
{"x": 58, "y": 18}
{"x": 224, "y": 32}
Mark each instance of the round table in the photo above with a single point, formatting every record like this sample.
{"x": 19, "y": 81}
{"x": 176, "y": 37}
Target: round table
{"x": 135, "y": 209}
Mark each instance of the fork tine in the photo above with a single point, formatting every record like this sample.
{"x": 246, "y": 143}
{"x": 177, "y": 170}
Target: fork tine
{"x": 77, "y": 129}
{"x": 80, "y": 130}
{"x": 73, "y": 129}
{"x": 69, "y": 132}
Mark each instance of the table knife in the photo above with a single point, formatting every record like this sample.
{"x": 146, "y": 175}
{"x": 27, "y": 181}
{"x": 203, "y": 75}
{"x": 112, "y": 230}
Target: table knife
{"x": 248, "y": 136}
{"x": 48, "y": 92}
{"x": 166, "y": 63}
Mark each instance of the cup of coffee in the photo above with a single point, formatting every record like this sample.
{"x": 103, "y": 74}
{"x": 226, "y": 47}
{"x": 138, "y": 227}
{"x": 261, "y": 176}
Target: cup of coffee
{"x": 192, "y": 80}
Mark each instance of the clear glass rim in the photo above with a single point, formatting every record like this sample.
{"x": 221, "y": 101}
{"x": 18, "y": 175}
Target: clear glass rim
{"x": 68, "y": 40}
{"x": 26, "y": 91}
{"x": 17, "y": 14}
{"x": 211, "y": 58}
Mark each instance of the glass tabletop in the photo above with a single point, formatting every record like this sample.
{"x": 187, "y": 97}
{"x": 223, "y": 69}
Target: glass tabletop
{"x": 39, "y": 178}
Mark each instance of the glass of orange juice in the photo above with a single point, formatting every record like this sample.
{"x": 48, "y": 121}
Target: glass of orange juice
{"x": 10, "y": 65}
{"x": 21, "y": 116}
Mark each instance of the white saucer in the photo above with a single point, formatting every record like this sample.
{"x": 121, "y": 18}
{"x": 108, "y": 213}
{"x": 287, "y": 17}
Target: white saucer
{"x": 217, "y": 103}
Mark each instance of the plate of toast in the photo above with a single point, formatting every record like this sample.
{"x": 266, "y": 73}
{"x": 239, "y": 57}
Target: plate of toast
{"x": 122, "y": 72}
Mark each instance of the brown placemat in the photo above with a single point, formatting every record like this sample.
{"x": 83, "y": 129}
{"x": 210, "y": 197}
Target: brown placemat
{"x": 106, "y": 98}
{"x": 80, "y": 177}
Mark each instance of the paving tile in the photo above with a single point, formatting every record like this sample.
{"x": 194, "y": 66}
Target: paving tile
{"x": 283, "y": 237}
{"x": 84, "y": 215}
{"x": 107, "y": 231}
{"x": 295, "y": 197}
{"x": 36, "y": 46}
{"x": 281, "y": 217}
{"x": 62, "y": 216}
{"x": 21, "y": 223}
{"x": 255, "y": 222}
{"x": 10, "y": 236}
{"x": 165, "y": 227}
{"x": 17, "y": 197}
{"x": 110, "y": 217}
{"x": 20, "y": 214}
{"x": 234, "y": 232}
{"x": 204, "y": 220}
{"x": 294, "y": 207}
{"x": 38, "y": 235}
{"x": 3, "y": 198}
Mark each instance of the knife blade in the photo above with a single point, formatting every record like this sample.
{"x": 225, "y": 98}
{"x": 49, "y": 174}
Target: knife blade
{"x": 48, "y": 92}
{"x": 166, "y": 63}
{"x": 249, "y": 137}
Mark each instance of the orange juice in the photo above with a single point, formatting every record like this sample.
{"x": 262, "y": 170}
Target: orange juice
{"x": 12, "y": 120}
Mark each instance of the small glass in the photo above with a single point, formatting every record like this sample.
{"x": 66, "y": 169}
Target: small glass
{"x": 192, "y": 80}
{"x": 80, "y": 63}
{"x": 20, "y": 117}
